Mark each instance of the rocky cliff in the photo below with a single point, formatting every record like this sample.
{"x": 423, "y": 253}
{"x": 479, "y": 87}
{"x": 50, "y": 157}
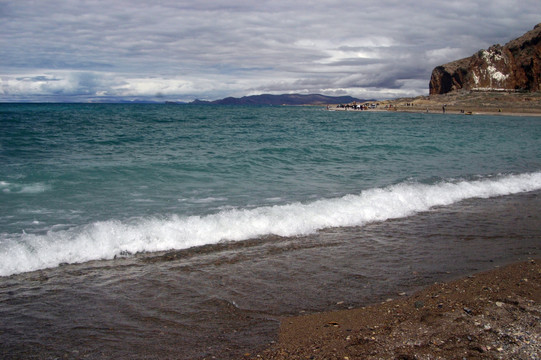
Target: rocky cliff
{"x": 516, "y": 66}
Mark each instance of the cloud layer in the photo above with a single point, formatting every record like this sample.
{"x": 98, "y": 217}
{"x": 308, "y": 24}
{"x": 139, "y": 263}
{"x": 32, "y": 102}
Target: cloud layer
{"x": 74, "y": 50}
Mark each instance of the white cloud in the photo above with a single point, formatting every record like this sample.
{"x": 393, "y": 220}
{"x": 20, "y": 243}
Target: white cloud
{"x": 51, "y": 83}
{"x": 444, "y": 55}
{"x": 152, "y": 87}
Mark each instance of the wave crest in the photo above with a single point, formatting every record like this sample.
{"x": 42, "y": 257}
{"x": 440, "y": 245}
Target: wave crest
{"x": 34, "y": 188}
{"x": 107, "y": 239}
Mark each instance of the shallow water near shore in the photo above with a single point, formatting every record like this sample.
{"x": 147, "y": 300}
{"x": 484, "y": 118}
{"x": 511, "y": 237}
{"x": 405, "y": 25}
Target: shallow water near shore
{"x": 154, "y": 231}
{"x": 226, "y": 300}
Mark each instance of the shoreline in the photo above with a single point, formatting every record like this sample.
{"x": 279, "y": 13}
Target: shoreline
{"x": 448, "y": 111}
{"x": 488, "y": 315}
{"x": 462, "y": 103}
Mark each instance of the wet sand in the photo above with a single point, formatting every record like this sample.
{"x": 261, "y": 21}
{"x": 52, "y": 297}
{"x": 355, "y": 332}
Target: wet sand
{"x": 490, "y": 315}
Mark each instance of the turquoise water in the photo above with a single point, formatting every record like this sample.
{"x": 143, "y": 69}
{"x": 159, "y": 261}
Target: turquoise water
{"x": 82, "y": 182}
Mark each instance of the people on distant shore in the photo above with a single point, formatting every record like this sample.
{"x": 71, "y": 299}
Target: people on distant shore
{"x": 356, "y": 106}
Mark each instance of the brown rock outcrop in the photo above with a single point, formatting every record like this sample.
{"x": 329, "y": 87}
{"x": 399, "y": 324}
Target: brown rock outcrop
{"x": 516, "y": 66}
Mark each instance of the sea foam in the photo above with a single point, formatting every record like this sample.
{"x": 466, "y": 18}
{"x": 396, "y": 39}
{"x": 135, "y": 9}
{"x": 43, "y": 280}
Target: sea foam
{"x": 107, "y": 239}
{"x": 34, "y": 188}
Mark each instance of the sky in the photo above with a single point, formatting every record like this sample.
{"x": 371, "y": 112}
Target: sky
{"x": 94, "y": 50}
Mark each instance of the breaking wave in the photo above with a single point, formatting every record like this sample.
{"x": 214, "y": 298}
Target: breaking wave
{"x": 107, "y": 239}
{"x": 13, "y": 188}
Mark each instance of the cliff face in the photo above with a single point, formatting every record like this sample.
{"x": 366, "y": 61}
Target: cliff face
{"x": 514, "y": 66}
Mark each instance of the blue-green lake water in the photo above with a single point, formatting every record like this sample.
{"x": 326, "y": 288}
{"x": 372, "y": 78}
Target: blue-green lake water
{"x": 85, "y": 182}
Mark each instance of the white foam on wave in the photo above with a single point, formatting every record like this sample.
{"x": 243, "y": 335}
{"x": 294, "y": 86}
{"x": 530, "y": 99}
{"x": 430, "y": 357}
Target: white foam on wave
{"x": 104, "y": 240}
{"x": 34, "y": 188}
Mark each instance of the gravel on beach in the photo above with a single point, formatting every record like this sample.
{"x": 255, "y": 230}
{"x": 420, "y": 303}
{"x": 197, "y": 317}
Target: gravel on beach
{"x": 490, "y": 315}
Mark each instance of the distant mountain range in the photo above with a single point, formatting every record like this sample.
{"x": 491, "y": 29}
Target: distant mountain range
{"x": 285, "y": 99}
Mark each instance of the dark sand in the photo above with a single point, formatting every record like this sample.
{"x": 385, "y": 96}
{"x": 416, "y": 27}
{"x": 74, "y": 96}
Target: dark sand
{"x": 491, "y": 315}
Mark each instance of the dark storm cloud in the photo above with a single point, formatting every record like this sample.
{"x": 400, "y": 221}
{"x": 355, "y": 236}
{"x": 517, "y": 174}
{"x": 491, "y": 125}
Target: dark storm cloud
{"x": 210, "y": 49}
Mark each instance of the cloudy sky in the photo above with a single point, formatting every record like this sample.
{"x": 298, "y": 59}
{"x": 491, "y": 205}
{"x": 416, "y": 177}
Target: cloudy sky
{"x": 88, "y": 50}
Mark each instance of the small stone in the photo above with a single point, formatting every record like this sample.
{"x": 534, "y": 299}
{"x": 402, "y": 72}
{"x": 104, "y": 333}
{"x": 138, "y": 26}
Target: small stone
{"x": 401, "y": 294}
{"x": 499, "y": 304}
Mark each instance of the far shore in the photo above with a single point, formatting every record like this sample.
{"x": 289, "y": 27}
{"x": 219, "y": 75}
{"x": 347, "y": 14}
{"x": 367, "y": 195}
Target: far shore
{"x": 490, "y": 315}
{"x": 501, "y": 112}
{"x": 461, "y": 103}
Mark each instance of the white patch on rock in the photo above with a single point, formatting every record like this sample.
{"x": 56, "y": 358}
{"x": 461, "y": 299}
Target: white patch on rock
{"x": 475, "y": 78}
{"x": 495, "y": 74}
{"x": 491, "y": 56}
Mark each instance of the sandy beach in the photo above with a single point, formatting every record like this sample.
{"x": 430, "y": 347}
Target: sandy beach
{"x": 490, "y": 315}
